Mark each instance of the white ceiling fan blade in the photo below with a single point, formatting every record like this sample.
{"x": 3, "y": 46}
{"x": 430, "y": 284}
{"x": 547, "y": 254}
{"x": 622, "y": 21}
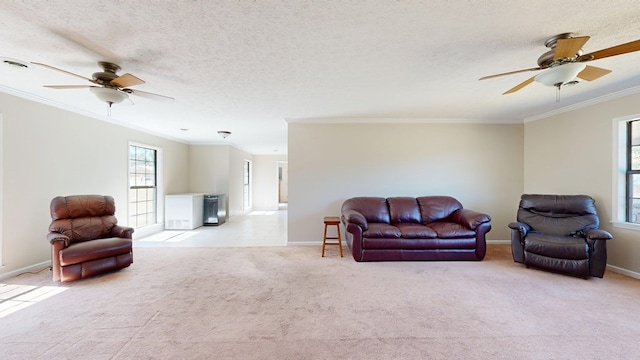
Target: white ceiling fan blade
{"x": 149, "y": 95}
{"x": 510, "y": 73}
{"x": 63, "y": 71}
{"x": 68, "y": 86}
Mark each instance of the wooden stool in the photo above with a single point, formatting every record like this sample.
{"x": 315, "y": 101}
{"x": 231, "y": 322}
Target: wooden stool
{"x": 331, "y": 220}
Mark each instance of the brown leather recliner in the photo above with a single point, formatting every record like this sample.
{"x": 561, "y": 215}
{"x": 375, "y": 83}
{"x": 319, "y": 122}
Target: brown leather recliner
{"x": 85, "y": 238}
{"x": 560, "y": 233}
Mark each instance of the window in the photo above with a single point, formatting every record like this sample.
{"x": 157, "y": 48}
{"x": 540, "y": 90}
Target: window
{"x": 246, "y": 185}
{"x": 142, "y": 186}
{"x": 633, "y": 172}
{"x": 626, "y": 172}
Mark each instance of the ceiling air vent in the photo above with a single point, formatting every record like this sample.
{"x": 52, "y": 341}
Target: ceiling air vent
{"x": 15, "y": 63}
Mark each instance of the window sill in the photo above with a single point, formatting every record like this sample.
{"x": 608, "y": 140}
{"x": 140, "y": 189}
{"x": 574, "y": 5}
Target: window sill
{"x": 626, "y": 225}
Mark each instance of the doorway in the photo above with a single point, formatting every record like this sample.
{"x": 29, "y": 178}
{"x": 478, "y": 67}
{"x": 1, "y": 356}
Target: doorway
{"x": 283, "y": 184}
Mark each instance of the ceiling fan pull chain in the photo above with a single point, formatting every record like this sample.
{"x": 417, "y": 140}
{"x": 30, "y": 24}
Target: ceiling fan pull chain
{"x": 558, "y": 93}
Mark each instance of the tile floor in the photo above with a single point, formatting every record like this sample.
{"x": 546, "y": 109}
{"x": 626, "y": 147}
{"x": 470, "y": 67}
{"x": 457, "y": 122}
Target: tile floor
{"x": 257, "y": 228}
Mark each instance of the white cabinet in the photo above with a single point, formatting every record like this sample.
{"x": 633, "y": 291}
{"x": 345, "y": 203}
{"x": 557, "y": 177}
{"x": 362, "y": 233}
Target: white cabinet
{"x": 183, "y": 211}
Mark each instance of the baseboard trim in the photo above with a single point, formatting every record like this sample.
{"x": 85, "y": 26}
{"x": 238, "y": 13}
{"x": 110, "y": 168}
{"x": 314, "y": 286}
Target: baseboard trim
{"x": 499, "y": 242}
{"x": 45, "y": 264}
{"x": 344, "y": 243}
{"x": 615, "y": 269}
{"x": 623, "y": 271}
{"x": 33, "y": 268}
{"x": 310, "y": 243}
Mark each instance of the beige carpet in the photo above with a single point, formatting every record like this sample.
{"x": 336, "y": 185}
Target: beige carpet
{"x": 289, "y": 303}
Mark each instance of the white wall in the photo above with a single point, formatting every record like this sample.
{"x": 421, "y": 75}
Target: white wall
{"x": 49, "y": 152}
{"x": 572, "y": 153}
{"x": 209, "y": 169}
{"x": 480, "y": 165}
{"x": 265, "y": 181}
{"x": 218, "y": 169}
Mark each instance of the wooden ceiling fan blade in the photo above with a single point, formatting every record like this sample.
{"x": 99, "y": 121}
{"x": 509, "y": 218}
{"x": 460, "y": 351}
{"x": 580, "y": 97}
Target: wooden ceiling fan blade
{"x": 614, "y": 50}
{"x": 68, "y": 86}
{"x": 126, "y": 80}
{"x": 520, "y": 86}
{"x": 591, "y": 73}
{"x": 568, "y": 48}
{"x": 509, "y": 73}
{"x": 149, "y": 95}
{"x": 62, "y": 71}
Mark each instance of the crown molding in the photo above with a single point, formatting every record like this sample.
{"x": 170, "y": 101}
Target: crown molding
{"x": 597, "y": 100}
{"x": 399, "y": 120}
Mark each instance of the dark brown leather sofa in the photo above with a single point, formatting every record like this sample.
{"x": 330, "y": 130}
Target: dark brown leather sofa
{"x": 85, "y": 238}
{"x": 560, "y": 233}
{"x": 407, "y": 228}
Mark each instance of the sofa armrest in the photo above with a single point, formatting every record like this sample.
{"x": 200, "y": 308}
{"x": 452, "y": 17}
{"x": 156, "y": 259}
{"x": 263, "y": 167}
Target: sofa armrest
{"x": 54, "y": 237}
{"x": 354, "y": 217}
{"x": 597, "y": 234}
{"x": 124, "y": 232}
{"x": 469, "y": 218}
{"x": 521, "y": 227}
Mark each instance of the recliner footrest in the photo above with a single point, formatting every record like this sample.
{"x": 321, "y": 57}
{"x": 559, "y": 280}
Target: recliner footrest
{"x": 94, "y": 249}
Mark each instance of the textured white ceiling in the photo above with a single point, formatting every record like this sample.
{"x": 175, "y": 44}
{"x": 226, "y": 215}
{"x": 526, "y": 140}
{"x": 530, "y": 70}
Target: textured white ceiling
{"x": 251, "y": 66}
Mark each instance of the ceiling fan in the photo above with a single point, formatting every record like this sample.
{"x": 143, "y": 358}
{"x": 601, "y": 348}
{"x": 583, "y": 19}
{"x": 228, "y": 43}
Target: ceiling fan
{"x": 565, "y": 62}
{"x": 109, "y": 86}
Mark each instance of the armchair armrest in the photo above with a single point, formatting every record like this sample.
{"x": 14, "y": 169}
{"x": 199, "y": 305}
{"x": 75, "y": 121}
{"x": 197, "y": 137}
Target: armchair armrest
{"x": 352, "y": 216}
{"x": 54, "y": 237}
{"x": 122, "y": 231}
{"x": 597, "y": 234}
{"x": 469, "y": 218}
{"x": 521, "y": 227}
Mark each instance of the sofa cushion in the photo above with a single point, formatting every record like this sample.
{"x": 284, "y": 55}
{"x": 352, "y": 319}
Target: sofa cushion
{"x": 449, "y": 230}
{"x": 554, "y": 246}
{"x": 416, "y": 231}
{"x": 382, "y": 230}
{"x": 94, "y": 249}
{"x": 404, "y": 210}
{"x": 434, "y": 208}
{"x": 418, "y": 244}
{"x": 374, "y": 209}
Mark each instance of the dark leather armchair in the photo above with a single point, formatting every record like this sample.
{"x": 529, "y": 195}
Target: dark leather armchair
{"x": 560, "y": 233}
{"x": 85, "y": 238}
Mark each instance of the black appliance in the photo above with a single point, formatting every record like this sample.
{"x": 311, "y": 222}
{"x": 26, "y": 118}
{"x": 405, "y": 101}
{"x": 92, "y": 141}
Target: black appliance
{"x": 215, "y": 210}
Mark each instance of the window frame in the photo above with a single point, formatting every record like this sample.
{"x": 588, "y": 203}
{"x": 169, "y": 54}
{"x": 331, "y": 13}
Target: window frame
{"x": 158, "y": 205}
{"x": 621, "y": 173}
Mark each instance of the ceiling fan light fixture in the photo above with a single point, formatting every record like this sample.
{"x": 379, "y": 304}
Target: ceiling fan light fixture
{"x": 109, "y": 95}
{"x": 560, "y": 74}
{"x": 224, "y": 134}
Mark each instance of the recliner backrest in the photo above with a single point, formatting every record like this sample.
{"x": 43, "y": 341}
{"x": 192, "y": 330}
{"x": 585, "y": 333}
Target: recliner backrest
{"x": 83, "y": 217}
{"x": 563, "y": 215}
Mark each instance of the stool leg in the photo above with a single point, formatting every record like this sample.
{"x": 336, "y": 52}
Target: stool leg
{"x": 324, "y": 239}
{"x": 339, "y": 239}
